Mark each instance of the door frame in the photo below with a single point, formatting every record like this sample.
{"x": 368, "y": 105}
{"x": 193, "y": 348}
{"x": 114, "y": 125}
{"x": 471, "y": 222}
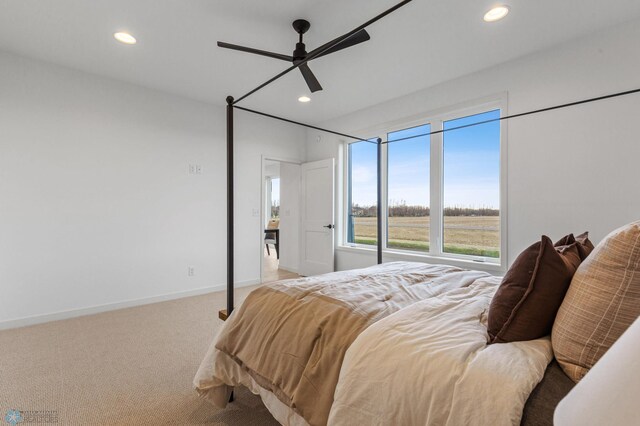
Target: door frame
{"x": 263, "y": 200}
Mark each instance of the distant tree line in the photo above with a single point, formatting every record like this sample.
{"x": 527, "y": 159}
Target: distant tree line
{"x": 469, "y": 211}
{"x": 404, "y": 210}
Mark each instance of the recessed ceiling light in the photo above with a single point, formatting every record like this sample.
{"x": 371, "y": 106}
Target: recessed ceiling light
{"x": 125, "y": 38}
{"x": 497, "y": 13}
{"x": 304, "y": 99}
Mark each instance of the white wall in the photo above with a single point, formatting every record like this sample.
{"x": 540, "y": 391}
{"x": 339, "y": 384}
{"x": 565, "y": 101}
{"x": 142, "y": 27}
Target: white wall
{"x": 272, "y": 169}
{"x": 568, "y": 170}
{"x": 97, "y": 206}
{"x": 289, "y": 216}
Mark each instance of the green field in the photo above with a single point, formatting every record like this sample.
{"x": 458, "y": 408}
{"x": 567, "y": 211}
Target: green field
{"x": 472, "y": 235}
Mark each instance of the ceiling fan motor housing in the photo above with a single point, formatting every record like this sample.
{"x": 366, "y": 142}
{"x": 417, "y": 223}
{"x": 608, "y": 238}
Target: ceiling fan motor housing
{"x": 300, "y": 53}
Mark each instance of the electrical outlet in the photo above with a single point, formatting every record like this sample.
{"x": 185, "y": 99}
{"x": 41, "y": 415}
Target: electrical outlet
{"x": 191, "y": 271}
{"x": 192, "y": 169}
{"x": 198, "y": 169}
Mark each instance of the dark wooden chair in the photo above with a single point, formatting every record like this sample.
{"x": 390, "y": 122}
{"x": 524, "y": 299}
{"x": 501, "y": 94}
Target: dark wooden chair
{"x": 272, "y": 236}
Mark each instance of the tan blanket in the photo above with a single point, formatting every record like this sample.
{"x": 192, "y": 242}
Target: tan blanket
{"x": 291, "y": 336}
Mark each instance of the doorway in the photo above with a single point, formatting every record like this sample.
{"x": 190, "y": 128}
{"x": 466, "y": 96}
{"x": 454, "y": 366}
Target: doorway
{"x": 280, "y": 220}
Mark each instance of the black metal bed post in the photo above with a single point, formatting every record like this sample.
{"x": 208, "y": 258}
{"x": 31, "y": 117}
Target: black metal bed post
{"x": 379, "y": 214}
{"x": 230, "y": 237}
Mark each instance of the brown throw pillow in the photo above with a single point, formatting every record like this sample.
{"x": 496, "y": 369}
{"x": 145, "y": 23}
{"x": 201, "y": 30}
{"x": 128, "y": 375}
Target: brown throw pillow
{"x": 585, "y": 246}
{"x": 525, "y": 305}
{"x": 565, "y": 241}
{"x": 602, "y": 302}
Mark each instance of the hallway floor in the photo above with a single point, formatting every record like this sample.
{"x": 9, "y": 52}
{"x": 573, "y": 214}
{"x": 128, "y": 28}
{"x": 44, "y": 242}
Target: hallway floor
{"x": 271, "y": 272}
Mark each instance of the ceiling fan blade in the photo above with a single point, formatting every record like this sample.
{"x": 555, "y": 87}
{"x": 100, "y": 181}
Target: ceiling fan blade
{"x": 256, "y": 51}
{"x": 311, "y": 79}
{"x": 359, "y": 37}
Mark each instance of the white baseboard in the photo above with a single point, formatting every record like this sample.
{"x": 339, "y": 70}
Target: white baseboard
{"x": 72, "y": 313}
{"x": 288, "y": 268}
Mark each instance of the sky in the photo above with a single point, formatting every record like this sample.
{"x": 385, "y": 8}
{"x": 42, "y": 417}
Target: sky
{"x": 471, "y": 165}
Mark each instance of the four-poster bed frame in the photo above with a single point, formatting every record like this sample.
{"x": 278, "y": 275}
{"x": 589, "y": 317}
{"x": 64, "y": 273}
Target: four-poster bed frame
{"x": 232, "y": 104}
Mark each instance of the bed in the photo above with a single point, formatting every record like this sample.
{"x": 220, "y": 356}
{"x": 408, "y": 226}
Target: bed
{"x": 397, "y": 343}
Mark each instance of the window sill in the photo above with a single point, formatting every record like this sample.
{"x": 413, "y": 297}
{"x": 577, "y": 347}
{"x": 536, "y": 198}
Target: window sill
{"x": 395, "y": 255}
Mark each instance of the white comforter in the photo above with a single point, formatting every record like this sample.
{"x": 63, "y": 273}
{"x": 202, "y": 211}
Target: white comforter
{"x": 429, "y": 364}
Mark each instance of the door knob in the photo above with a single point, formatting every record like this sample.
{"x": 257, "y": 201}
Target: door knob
{"x": 328, "y": 226}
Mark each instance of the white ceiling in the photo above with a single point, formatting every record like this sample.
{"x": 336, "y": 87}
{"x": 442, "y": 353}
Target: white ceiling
{"x": 422, "y": 44}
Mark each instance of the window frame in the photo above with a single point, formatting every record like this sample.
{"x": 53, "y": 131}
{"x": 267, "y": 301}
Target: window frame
{"x": 436, "y": 120}
{"x": 385, "y": 182}
{"x": 344, "y": 231}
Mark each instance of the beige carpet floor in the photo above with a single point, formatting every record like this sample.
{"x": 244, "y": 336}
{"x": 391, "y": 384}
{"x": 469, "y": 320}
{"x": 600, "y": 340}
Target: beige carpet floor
{"x": 128, "y": 367}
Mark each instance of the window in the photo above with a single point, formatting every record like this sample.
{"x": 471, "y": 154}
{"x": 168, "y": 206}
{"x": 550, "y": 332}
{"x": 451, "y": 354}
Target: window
{"x": 362, "y": 206}
{"x": 275, "y": 198}
{"x": 442, "y": 185}
{"x": 408, "y": 170}
{"x": 471, "y": 193}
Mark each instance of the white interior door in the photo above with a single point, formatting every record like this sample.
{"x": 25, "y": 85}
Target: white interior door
{"x": 318, "y": 226}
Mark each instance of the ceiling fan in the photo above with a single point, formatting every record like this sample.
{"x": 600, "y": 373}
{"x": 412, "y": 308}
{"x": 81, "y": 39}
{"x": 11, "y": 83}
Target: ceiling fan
{"x": 300, "y": 53}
